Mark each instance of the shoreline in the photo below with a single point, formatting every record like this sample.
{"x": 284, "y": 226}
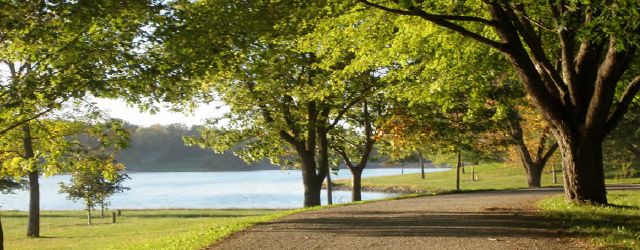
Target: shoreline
{"x": 395, "y": 190}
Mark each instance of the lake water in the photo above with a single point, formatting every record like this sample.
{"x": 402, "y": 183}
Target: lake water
{"x": 240, "y": 189}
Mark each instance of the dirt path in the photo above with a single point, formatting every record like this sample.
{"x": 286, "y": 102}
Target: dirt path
{"x": 493, "y": 220}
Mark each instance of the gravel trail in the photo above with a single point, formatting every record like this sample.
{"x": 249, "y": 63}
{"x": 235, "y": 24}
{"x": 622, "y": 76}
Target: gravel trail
{"x": 494, "y": 220}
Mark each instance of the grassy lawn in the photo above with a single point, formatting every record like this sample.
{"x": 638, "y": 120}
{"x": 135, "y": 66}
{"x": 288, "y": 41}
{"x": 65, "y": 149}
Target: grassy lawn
{"x": 135, "y": 229}
{"x": 194, "y": 229}
{"x": 610, "y": 227}
{"x": 491, "y": 176}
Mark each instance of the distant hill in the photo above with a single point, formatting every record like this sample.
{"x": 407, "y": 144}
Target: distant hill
{"x": 160, "y": 148}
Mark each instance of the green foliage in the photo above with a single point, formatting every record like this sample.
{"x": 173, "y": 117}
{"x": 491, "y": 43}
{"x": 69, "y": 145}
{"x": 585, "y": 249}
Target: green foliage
{"x": 621, "y": 148}
{"x": 9, "y": 185}
{"x": 93, "y": 188}
{"x": 53, "y": 51}
{"x": 61, "y": 145}
{"x": 612, "y": 226}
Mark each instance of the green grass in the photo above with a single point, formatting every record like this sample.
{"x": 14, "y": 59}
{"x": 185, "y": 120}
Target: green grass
{"x": 194, "y": 229}
{"x": 608, "y": 227}
{"x": 135, "y": 229}
{"x": 492, "y": 176}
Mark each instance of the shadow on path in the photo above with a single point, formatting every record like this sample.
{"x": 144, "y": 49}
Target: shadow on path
{"x": 452, "y": 224}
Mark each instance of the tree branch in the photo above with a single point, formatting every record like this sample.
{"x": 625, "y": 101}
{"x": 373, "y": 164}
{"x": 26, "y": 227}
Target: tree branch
{"x": 623, "y": 104}
{"x": 549, "y": 153}
{"x": 444, "y": 21}
{"x": 17, "y": 124}
{"x": 534, "y": 43}
{"x": 396, "y": 11}
{"x": 609, "y": 73}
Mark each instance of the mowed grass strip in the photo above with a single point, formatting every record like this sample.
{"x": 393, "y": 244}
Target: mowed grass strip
{"x": 614, "y": 226}
{"x": 491, "y": 176}
{"x": 135, "y": 229}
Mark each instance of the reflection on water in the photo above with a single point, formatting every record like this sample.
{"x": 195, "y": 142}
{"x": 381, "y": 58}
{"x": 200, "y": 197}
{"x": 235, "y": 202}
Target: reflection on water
{"x": 242, "y": 189}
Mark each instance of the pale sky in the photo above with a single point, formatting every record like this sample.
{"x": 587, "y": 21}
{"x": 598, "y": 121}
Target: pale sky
{"x": 119, "y": 109}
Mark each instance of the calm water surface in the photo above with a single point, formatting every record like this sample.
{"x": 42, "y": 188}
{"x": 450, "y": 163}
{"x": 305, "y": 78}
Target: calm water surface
{"x": 241, "y": 189}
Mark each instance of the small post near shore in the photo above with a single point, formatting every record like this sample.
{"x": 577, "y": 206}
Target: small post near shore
{"x": 113, "y": 217}
{"x": 473, "y": 173}
{"x": 329, "y": 190}
{"x": 555, "y": 178}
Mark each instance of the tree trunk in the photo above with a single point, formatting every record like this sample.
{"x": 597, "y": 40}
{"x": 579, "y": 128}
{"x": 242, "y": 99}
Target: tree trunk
{"x": 356, "y": 185}
{"x": 473, "y": 173}
{"x": 89, "y": 216}
{"x": 533, "y": 172}
{"x": 534, "y": 176}
{"x": 101, "y": 212}
{"x": 421, "y": 163}
{"x": 555, "y": 175}
{"x": 311, "y": 186}
{"x": 329, "y": 190}
{"x": 458, "y": 173}
{"x": 582, "y": 169}
{"x": 33, "y": 227}
{"x": 1, "y": 235}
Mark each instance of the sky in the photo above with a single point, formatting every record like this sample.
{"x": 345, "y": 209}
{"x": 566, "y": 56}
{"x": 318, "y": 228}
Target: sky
{"x": 119, "y": 109}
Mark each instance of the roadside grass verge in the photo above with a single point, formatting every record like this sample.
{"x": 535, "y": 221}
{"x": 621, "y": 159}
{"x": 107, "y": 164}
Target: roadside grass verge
{"x": 610, "y": 227}
{"x": 135, "y": 229}
{"x": 491, "y": 176}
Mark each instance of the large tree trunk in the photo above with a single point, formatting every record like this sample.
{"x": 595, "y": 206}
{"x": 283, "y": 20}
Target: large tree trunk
{"x": 356, "y": 184}
{"x": 582, "y": 169}
{"x": 533, "y": 172}
{"x": 33, "y": 227}
{"x": 576, "y": 95}
{"x": 311, "y": 187}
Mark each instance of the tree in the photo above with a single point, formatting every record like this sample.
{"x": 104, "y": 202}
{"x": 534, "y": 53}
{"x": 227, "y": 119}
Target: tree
{"x": 360, "y": 145}
{"x": 52, "y": 51}
{"x": 52, "y": 145}
{"x": 570, "y": 57}
{"x": 282, "y": 103}
{"x": 532, "y": 146}
{"x": 93, "y": 188}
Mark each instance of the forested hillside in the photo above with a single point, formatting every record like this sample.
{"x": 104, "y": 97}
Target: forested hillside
{"x": 160, "y": 148}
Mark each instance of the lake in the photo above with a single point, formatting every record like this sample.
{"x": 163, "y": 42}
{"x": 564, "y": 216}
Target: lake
{"x": 238, "y": 189}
